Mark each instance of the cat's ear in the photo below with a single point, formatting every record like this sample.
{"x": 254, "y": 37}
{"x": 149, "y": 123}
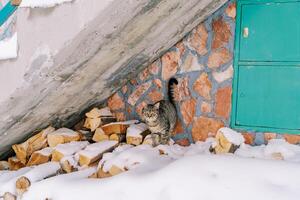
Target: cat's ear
{"x": 156, "y": 106}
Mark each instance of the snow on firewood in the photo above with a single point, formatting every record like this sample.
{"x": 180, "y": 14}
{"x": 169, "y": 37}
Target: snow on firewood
{"x": 61, "y": 136}
{"x": 8, "y": 175}
{"x": 38, "y": 173}
{"x": 97, "y": 113}
{"x": 136, "y": 132}
{"x": 67, "y": 149}
{"x": 95, "y": 151}
{"x": 8, "y": 180}
{"x": 275, "y": 149}
{"x": 40, "y": 157}
{"x": 232, "y": 136}
{"x": 130, "y": 158}
{"x": 69, "y": 164}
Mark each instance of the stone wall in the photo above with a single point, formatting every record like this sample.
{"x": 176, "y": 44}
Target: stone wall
{"x": 202, "y": 62}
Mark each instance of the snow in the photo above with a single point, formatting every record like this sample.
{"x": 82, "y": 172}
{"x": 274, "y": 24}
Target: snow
{"x": 288, "y": 151}
{"x": 97, "y": 148}
{"x": 135, "y": 130}
{"x": 174, "y": 172}
{"x": 9, "y": 47}
{"x": 64, "y": 131}
{"x": 200, "y": 176}
{"x": 105, "y": 112}
{"x": 42, "y": 3}
{"x": 71, "y": 148}
{"x": 124, "y": 123}
{"x": 232, "y": 136}
{"x": 46, "y": 151}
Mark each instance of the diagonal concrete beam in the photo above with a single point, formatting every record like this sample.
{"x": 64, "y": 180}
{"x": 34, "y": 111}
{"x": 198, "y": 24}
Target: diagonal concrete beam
{"x": 114, "y": 46}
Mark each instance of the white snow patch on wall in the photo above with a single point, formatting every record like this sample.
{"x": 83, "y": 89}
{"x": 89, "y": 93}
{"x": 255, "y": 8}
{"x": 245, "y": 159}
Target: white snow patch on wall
{"x": 42, "y": 3}
{"x": 9, "y": 48}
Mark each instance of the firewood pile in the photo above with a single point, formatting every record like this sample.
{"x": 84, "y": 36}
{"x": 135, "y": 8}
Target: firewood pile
{"x": 57, "y": 151}
{"x": 93, "y": 144}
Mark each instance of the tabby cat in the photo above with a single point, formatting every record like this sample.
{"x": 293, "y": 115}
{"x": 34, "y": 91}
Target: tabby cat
{"x": 161, "y": 117}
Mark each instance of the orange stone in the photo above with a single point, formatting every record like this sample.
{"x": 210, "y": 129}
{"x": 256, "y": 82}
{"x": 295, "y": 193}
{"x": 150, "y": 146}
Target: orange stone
{"x": 144, "y": 74}
{"x": 178, "y": 128}
{"x": 115, "y": 102}
{"x": 203, "y": 86}
{"x": 188, "y": 110}
{"x": 206, "y": 107}
{"x": 134, "y": 97}
{"x": 198, "y": 39}
{"x": 219, "y": 57}
{"x": 249, "y": 138}
{"x": 154, "y": 67}
{"x": 222, "y": 33}
{"x": 120, "y": 116}
{"x": 169, "y": 64}
{"x": 231, "y": 10}
{"x": 155, "y": 96}
{"x": 140, "y": 107}
{"x": 204, "y": 127}
{"x": 181, "y": 48}
{"x": 158, "y": 83}
{"x": 293, "y": 139}
{"x": 183, "y": 142}
{"x": 223, "y": 102}
{"x": 270, "y": 136}
{"x": 181, "y": 91}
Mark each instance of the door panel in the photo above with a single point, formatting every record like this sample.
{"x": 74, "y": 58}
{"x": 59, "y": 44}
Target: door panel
{"x": 268, "y": 96}
{"x": 273, "y": 32}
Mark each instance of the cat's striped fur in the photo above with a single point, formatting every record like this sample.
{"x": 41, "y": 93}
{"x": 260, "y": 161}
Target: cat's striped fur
{"x": 161, "y": 117}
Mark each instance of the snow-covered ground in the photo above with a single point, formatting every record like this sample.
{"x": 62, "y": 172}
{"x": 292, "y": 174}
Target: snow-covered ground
{"x": 181, "y": 173}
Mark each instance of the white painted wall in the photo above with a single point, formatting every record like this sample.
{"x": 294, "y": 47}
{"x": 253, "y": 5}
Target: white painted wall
{"x": 45, "y": 31}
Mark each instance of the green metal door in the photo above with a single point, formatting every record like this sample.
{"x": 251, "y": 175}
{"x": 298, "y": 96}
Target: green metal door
{"x": 266, "y": 94}
{"x": 273, "y": 32}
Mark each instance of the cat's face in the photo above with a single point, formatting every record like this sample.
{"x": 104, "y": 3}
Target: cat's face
{"x": 150, "y": 112}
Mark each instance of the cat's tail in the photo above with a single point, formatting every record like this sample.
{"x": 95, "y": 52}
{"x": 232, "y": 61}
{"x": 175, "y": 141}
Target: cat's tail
{"x": 172, "y": 83}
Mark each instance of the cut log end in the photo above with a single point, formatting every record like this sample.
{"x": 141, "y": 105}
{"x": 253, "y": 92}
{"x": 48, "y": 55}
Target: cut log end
{"x": 9, "y": 196}
{"x": 22, "y": 185}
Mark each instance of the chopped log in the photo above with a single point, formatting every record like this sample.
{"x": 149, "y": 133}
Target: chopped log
{"x": 94, "y": 152}
{"x": 37, "y": 142}
{"x": 68, "y": 164}
{"x": 227, "y": 141}
{"x": 117, "y": 137}
{"x": 86, "y": 135}
{"x": 114, "y": 170}
{"x": 67, "y": 149}
{"x": 115, "y": 128}
{"x": 92, "y": 123}
{"x": 152, "y": 139}
{"x": 40, "y": 157}
{"x": 99, "y": 135}
{"x": 38, "y": 173}
{"x": 4, "y": 165}
{"x": 15, "y": 164}
{"x": 107, "y": 120}
{"x": 94, "y": 175}
{"x": 136, "y": 133}
{"x": 98, "y": 113}
{"x": 16, "y": 2}
{"x": 9, "y": 196}
{"x": 61, "y": 136}
{"x": 102, "y": 174}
